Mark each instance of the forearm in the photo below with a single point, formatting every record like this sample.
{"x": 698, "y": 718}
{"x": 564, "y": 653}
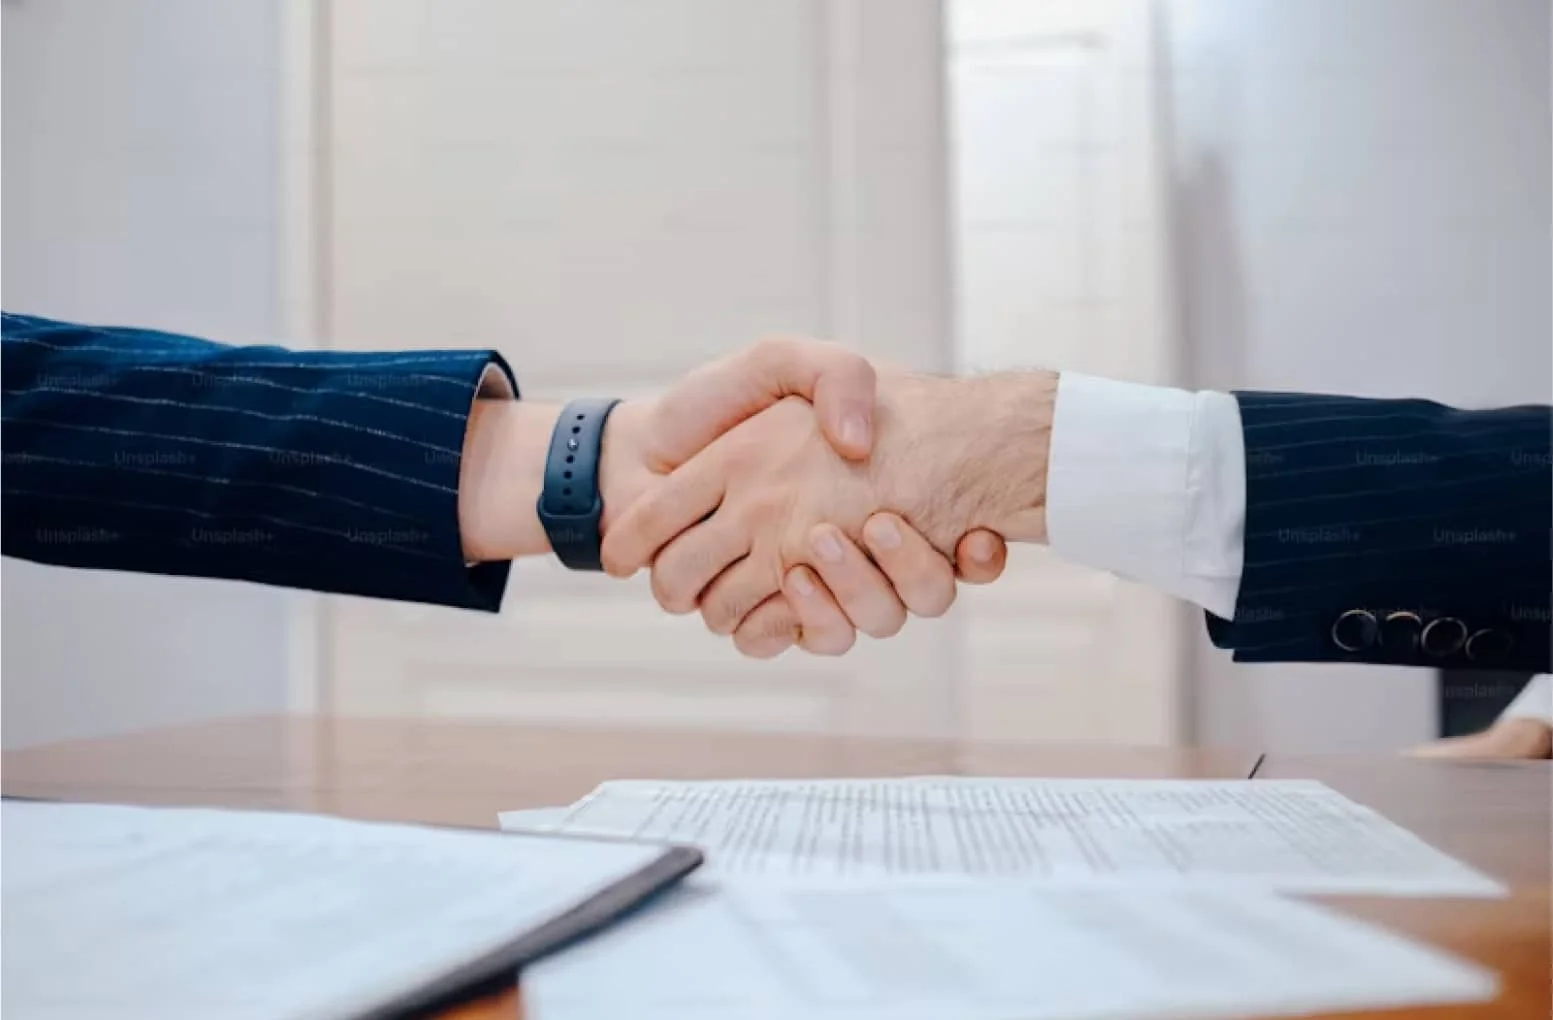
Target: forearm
{"x": 500, "y": 478}
{"x": 134, "y": 450}
{"x": 959, "y": 454}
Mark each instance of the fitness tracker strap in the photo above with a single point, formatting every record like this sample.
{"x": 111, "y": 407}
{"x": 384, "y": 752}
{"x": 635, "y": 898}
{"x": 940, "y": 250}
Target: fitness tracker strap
{"x": 570, "y": 506}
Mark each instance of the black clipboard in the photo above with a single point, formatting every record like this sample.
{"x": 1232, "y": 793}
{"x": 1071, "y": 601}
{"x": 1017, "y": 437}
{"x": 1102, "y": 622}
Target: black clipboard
{"x": 496, "y": 971}
{"x": 499, "y": 969}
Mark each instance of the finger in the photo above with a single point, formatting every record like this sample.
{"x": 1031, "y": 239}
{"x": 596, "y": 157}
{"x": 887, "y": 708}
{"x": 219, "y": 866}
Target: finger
{"x": 1509, "y": 739}
{"x": 843, "y": 397}
{"x": 770, "y": 629}
{"x": 921, "y": 575}
{"x": 863, "y": 593}
{"x": 689, "y": 563}
{"x": 981, "y": 556}
{"x": 1450, "y": 747}
{"x": 735, "y": 593}
{"x": 823, "y": 629}
{"x": 715, "y": 397}
{"x": 673, "y": 505}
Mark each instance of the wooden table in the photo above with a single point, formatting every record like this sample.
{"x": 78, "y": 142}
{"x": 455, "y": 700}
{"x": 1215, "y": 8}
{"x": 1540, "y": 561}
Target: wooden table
{"x": 1494, "y": 816}
{"x": 463, "y": 773}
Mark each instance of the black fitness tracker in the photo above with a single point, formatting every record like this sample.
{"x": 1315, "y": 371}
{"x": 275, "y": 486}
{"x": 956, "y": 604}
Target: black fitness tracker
{"x": 569, "y": 504}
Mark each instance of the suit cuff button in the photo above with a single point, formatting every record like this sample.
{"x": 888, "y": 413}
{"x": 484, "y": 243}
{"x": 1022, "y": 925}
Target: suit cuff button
{"x": 1489, "y": 645}
{"x": 1443, "y": 637}
{"x": 1399, "y": 633}
{"x": 1355, "y": 630}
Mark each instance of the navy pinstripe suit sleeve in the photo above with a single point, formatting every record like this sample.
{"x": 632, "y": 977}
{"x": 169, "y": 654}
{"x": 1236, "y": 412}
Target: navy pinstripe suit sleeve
{"x": 127, "y": 449}
{"x": 1395, "y": 532}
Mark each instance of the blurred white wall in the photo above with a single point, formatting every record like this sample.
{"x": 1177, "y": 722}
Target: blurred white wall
{"x": 1362, "y": 205}
{"x": 1358, "y": 192}
{"x": 140, "y": 170}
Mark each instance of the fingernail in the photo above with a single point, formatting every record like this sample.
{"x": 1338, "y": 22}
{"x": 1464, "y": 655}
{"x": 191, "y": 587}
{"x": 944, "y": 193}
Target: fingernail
{"x": 827, "y": 548}
{"x": 982, "y": 548}
{"x": 854, "y": 430}
{"x": 883, "y": 533}
{"x": 802, "y": 583}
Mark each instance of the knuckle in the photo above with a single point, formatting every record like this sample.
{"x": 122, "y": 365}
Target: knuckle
{"x": 767, "y": 633}
{"x": 773, "y": 349}
{"x": 756, "y": 647}
{"x": 862, "y": 366}
{"x": 715, "y": 617}
{"x": 829, "y": 642}
{"x": 933, "y": 600}
{"x": 670, "y": 592}
{"x": 613, "y": 559}
{"x": 888, "y": 623}
{"x": 776, "y": 625}
{"x": 724, "y": 612}
{"x": 671, "y": 586}
{"x": 620, "y": 549}
{"x": 702, "y": 560}
{"x": 632, "y": 536}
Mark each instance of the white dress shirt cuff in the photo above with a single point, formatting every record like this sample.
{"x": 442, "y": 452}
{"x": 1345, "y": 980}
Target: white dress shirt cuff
{"x": 1148, "y": 482}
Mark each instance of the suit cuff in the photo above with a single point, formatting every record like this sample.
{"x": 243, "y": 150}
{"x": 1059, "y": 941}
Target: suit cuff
{"x": 1148, "y": 482}
{"x": 497, "y": 381}
{"x": 421, "y": 491}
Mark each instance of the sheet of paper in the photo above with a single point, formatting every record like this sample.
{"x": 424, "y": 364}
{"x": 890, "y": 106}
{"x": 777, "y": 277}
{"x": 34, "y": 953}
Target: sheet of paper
{"x": 1293, "y": 835}
{"x": 545, "y": 819}
{"x": 755, "y": 950}
{"x": 133, "y": 912}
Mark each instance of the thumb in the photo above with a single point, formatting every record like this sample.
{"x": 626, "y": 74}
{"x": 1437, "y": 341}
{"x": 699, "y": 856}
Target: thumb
{"x": 843, "y": 399}
{"x": 980, "y": 556}
{"x": 718, "y": 396}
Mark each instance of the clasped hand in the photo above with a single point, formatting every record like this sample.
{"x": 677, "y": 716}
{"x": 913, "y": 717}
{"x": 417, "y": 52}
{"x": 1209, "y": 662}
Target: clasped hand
{"x": 755, "y": 506}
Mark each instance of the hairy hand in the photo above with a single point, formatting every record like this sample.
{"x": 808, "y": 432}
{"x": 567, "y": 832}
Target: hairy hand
{"x": 956, "y": 455}
{"x": 1506, "y": 740}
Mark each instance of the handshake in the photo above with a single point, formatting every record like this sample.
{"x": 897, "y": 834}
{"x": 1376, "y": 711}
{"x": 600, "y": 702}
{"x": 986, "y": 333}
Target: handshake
{"x": 752, "y": 489}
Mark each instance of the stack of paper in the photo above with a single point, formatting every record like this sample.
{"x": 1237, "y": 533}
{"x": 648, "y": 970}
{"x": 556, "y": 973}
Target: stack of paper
{"x": 996, "y": 899}
{"x": 1289, "y": 835}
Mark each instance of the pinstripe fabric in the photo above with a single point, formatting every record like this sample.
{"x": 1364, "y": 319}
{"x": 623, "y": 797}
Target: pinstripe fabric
{"x": 128, "y": 449}
{"x": 1392, "y": 506}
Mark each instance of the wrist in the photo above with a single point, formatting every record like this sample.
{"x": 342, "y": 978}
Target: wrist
{"x": 960, "y": 454}
{"x": 500, "y": 479}
{"x": 503, "y": 473}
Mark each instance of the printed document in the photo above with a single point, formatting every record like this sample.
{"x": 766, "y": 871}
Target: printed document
{"x": 1287, "y": 835}
{"x": 132, "y": 912}
{"x": 755, "y": 950}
